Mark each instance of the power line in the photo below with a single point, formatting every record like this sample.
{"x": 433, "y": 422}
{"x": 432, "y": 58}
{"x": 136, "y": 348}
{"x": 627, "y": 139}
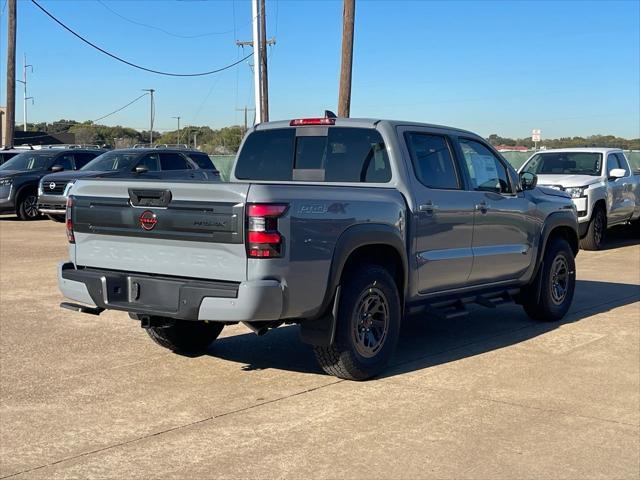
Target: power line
{"x": 121, "y": 108}
{"x": 131, "y": 64}
{"x": 167, "y": 32}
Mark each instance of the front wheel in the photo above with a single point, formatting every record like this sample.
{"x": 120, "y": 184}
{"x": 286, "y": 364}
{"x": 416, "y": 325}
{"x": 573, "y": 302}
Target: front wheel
{"x": 594, "y": 238}
{"x": 549, "y": 296}
{"x": 368, "y": 325}
{"x": 28, "y": 207}
{"x": 186, "y": 336}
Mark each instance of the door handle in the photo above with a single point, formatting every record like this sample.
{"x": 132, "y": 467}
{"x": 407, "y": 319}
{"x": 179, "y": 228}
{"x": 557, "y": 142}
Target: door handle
{"x": 482, "y": 207}
{"x": 429, "y": 208}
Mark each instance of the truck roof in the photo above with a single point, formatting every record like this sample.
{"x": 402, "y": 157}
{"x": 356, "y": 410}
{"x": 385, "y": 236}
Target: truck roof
{"x": 366, "y": 123}
{"x": 582, "y": 149}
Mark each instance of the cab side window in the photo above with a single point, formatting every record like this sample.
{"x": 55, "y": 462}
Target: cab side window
{"x": 65, "y": 161}
{"x": 612, "y": 162}
{"x": 486, "y": 171}
{"x": 173, "y": 161}
{"x": 623, "y": 164}
{"x": 151, "y": 161}
{"x": 82, "y": 158}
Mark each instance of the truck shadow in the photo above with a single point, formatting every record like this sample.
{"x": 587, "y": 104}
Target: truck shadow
{"x": 426, "y": 342}
{"x": 621, "y": 236}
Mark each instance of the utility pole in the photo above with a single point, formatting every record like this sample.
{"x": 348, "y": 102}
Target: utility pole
{"x": 178, "y": 117}
{"x": 24, "y": 84}
{"x": 344, "y": 98}
{"x": 11, "y": 73}
{"x": 245, "y": 110}
{"x": 259, "y": 44}
{"x": 151, "y": 114}
{"x": 264, "y": 105}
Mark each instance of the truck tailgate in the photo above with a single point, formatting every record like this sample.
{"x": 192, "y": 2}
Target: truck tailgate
{"x": 184, "y": 229}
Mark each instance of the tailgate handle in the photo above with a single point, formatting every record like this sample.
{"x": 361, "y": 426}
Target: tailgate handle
{"x": 149, "y": 198}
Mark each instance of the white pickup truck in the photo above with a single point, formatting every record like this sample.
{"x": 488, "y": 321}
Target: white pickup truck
{"x": 604, "y": 189}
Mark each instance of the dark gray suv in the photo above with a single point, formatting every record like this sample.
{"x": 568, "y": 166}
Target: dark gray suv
{"x": 20, "y": 175}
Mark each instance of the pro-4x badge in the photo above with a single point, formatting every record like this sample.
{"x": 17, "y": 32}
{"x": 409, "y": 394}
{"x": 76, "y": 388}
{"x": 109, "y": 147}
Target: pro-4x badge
{"x": 148, "y": 220}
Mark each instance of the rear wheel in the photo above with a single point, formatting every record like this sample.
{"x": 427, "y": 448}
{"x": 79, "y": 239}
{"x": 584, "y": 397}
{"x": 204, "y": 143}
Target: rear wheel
{"x": 185, "y": 335}
{"x": 368, "y": 325}
{"x": 595, "y": 232}
{"x": 549, "y": 296}
{"x": 28, "y": 206}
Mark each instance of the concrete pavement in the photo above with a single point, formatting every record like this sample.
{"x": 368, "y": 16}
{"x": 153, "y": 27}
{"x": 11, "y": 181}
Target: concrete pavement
{"x": 494, "y": 395}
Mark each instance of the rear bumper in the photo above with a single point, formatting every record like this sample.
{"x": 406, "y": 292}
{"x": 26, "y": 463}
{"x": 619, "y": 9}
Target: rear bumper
{"x": 172, "y": 297}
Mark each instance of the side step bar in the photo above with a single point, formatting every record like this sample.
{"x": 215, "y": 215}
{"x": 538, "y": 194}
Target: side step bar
{"x": 76, "y": 307}
{"x": 457, "y": 307}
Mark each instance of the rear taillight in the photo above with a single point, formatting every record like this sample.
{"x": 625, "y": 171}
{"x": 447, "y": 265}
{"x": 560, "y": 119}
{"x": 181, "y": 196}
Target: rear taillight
{"x": 263, "y": 238}
{"x": 68, "y": 220}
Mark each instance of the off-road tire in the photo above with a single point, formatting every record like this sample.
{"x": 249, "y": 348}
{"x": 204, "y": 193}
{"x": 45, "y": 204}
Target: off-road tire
{"x": 27, "y": 202}
{"x": 548, "y": 305}
{"x": 56, "y": 218}
{"x": 186, "y": 336}
{"x": 343, "y": 359}
{"x": 594, "y": 239}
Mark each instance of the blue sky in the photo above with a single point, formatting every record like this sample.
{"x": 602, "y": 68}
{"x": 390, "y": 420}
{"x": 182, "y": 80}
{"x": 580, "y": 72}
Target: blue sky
{"x": 568, "y": 68}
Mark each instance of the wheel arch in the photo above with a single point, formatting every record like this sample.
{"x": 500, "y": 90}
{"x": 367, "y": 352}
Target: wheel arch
{"x": 380, "y": 244}
{"x": 22, "y": 190}
{"x": 562, "y": 224}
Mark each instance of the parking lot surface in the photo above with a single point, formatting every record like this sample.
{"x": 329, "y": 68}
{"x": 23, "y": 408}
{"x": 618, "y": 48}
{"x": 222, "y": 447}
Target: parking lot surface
{"x": 493, "y": 395}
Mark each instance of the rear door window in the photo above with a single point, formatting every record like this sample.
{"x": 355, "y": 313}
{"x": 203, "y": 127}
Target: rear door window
{"x": 340, "y": 155}
{"x": 173, "y": 161}
{"x": 432, "y": 160}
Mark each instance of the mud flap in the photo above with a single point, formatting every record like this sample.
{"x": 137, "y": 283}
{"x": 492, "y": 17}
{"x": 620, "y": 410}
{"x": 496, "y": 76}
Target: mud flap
{"x": 320, "y": 332}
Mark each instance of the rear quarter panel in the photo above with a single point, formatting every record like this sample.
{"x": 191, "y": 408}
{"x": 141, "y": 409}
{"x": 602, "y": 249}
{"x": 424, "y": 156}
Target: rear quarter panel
{"x": 316, "y": 218}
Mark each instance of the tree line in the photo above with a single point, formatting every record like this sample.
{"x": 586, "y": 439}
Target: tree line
{"x": 226, "y": 140}
{"x": 610, "y": 141}
{"x": 223, "y": 141}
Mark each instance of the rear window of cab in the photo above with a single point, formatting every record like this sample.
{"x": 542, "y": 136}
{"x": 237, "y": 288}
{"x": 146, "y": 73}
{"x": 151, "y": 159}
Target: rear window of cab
{"x": 343, "y": 154}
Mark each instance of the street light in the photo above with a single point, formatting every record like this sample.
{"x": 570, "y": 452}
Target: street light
{"x": 178, "y": 118}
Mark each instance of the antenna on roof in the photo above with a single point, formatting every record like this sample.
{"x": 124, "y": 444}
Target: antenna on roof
{"x": 329, "y": 114}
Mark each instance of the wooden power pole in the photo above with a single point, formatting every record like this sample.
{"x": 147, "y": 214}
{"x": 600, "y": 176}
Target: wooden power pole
{"x": 344, "y": 98}
{"x": 11, "y": 74}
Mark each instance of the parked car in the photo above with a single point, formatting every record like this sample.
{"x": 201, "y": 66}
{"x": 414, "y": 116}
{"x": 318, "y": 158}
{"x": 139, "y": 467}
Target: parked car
{"x": 343, "y": 226}
{"x": 20, "y": 175}
{"x": 604, "y": 189}
{"x": 140, "y": 163}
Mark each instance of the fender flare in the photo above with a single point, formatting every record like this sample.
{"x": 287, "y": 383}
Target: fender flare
{"x": 320, "y": 329}
{"x": 562, "y": 218}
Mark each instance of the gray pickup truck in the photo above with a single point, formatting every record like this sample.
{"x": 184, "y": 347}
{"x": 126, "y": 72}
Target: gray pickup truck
{"x": 343, "y": 226}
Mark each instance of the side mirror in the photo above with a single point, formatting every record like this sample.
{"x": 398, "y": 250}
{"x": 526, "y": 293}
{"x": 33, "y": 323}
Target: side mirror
{"x": 57, "y": 168}
{"x": 615, "y": 173}
{"x": 528, "y": 180}
{"x": 141, "y": 169}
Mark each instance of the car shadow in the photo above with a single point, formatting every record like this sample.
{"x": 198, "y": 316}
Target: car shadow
{"x": 426, "y": 342}
{"x": 621, "y": 236}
